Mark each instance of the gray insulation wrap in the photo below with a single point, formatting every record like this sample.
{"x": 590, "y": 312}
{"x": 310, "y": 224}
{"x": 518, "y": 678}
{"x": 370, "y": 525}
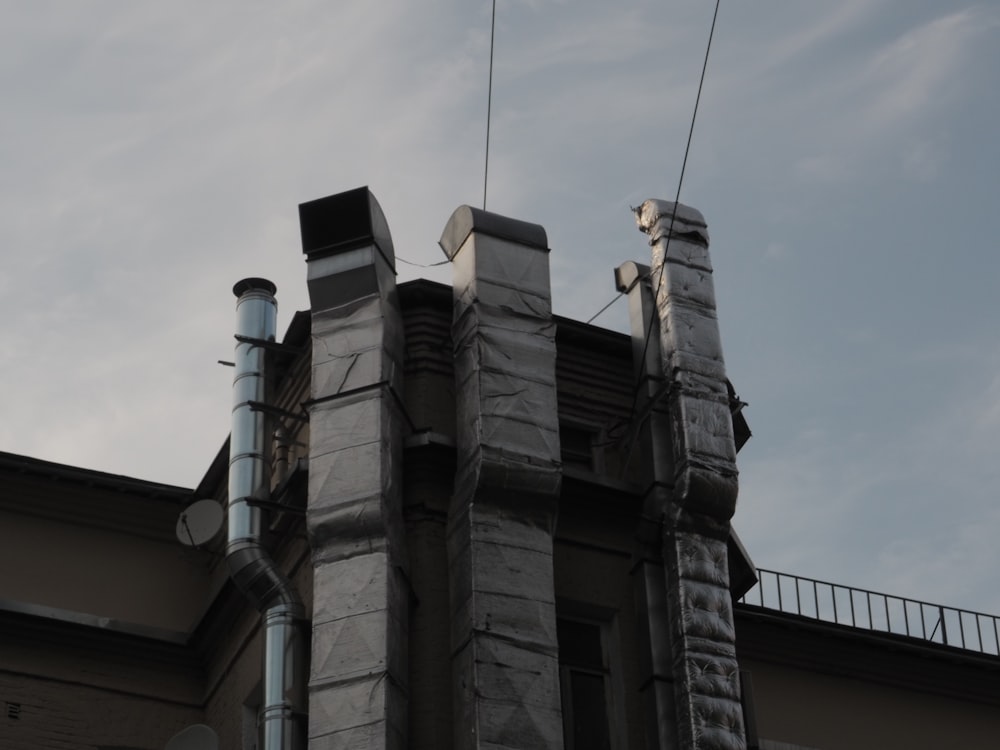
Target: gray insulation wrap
{"x": 503, "y": 509}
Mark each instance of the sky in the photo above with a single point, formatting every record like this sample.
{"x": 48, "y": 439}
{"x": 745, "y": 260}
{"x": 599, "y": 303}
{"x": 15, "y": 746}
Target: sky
{"x": 845, "y": 156}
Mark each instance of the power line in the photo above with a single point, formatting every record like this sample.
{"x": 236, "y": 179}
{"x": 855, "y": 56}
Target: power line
{"x": 597, "y": 314}
{"x": 680, "y": 182}
{"x": 489, "y": 104}
{"x": 673, "y": 217}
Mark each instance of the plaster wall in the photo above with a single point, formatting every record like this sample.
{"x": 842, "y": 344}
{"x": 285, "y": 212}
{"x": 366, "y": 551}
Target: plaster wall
{"x": 163, "y": 585}
{"x": 828, "y": 712}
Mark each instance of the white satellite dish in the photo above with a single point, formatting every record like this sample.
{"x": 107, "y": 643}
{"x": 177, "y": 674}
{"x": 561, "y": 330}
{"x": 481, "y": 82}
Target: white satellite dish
{"x": 199, "y": 523}
{"x": 195, "y": 737}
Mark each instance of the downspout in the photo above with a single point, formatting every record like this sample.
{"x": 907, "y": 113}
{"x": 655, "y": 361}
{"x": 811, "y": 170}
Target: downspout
{"x": 255, "y": 573}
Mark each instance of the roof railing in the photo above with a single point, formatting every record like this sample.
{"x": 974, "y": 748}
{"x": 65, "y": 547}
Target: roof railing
{"x": 871, "y": 610}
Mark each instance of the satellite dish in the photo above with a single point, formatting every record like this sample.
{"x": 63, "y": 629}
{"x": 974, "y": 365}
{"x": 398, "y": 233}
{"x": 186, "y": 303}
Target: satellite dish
{"x": 195, "y": 737}
{"x": 199, "y": 523}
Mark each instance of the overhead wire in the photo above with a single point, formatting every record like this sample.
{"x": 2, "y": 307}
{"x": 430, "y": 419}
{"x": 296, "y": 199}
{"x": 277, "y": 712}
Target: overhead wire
{"x": 422, "y": 265}
{"x": 486, "y": 161}
{"x": 680, "y": 182}
{"x": 597, "y": 314}
{"x": 489, "y": 104}
{"x": 666, "y": 249}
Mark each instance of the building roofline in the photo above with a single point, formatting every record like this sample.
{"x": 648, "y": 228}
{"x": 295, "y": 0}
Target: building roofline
{"x": 799, "y": 642}
{"x": 91, "y": 478}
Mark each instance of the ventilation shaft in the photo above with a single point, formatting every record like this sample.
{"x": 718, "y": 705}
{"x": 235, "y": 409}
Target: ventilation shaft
{"x": 283, "y": 706}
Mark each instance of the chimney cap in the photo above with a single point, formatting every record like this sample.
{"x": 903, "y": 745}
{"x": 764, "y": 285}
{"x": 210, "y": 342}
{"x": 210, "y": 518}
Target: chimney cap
{"x": 465, "y": 220}
{"x": 253, "y": 283}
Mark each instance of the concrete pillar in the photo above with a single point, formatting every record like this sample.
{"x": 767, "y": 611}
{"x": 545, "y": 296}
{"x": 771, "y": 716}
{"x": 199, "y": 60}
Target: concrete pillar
{"x": 655, "y": 454}
{"x": 358, "y": 679}
{"x": 505, "y": 663}
{"x": 703, "y": 497}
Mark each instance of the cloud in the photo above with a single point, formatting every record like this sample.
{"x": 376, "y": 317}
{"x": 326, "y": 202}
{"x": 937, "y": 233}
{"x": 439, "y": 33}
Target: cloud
{"x": 156, "y": 154}
{"x": 918, "y": 71}
{"x": 900, "y": 503}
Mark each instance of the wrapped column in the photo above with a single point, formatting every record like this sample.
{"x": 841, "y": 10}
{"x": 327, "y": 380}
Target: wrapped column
{"x": 358, "y": 680}
{"x": 505, "y": 666}
{"x": 655, "y": 454}
{"x": 703, "y": 497}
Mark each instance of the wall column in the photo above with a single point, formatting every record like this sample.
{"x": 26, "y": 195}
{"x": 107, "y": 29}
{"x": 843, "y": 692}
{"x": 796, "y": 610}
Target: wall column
{"x": 655, "y": 454}
{"x": 505, "y": 663}
{"x": 358, "y": 680}
{"x": 703, "y": 498}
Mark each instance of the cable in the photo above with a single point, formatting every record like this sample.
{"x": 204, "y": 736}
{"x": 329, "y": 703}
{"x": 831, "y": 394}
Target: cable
{"x": 422, "y": 265}
{"x": 680, "y": 182}
{"x": 597, "y": 314}
{"x": 673, "y": 217}
{"x": 489, "y": 104}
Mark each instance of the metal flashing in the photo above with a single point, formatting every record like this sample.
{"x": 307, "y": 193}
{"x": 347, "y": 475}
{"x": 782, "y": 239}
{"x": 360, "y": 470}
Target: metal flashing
{"x": 465, "y": 220}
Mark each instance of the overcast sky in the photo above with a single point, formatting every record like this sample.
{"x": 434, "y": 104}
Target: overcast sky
{"x": 846, "y": 157}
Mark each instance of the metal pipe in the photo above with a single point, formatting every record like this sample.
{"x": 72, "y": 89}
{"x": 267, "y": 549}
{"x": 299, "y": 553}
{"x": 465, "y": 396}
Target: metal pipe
{"x": 255, "y": 573}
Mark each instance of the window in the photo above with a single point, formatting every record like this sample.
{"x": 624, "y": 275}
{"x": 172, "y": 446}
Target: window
{"x": 588, "y": 699}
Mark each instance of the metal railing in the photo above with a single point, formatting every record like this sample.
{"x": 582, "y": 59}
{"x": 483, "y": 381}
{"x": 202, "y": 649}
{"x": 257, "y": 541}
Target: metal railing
{"x": 870, "y": 610}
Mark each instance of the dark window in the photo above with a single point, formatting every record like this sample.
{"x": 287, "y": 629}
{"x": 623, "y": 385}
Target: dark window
{"x": 585, "y": 685}
{"x": 577, "y": 445}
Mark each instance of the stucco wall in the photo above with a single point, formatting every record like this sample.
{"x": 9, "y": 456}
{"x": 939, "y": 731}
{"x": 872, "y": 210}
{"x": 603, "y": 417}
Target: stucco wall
{"x": 839, "y": 713}
{"x": 163, "y": 585}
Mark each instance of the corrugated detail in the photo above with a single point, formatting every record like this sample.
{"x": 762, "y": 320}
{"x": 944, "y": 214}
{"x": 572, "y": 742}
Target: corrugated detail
{"x": 430, "y": 372}
{"x": 704, "y": 478}
{"x": 505, "y": 654}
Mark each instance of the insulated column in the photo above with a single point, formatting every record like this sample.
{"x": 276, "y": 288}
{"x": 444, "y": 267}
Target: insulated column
{"x": 505, "y": 663}
{"x": 358, "y": 681}
{"x": 703, "y": 499}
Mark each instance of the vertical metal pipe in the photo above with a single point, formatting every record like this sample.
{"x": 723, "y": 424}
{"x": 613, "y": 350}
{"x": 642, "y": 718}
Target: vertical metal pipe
{"x": 256, "y": 315}
{"x": 252, "y": 569}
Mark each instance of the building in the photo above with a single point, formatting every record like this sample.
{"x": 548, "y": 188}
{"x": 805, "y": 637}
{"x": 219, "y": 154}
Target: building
{"x": 454, "y": 521}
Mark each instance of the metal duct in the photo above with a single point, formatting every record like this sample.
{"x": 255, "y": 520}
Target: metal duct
{"x": 505, "y": 661}
{"x": 703, "y": 495}
{"x": 359, "y": 680}
{"x": 250, "y": 566}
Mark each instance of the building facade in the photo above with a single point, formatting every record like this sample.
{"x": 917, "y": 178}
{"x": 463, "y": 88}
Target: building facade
{"x": 452, "y": 520}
